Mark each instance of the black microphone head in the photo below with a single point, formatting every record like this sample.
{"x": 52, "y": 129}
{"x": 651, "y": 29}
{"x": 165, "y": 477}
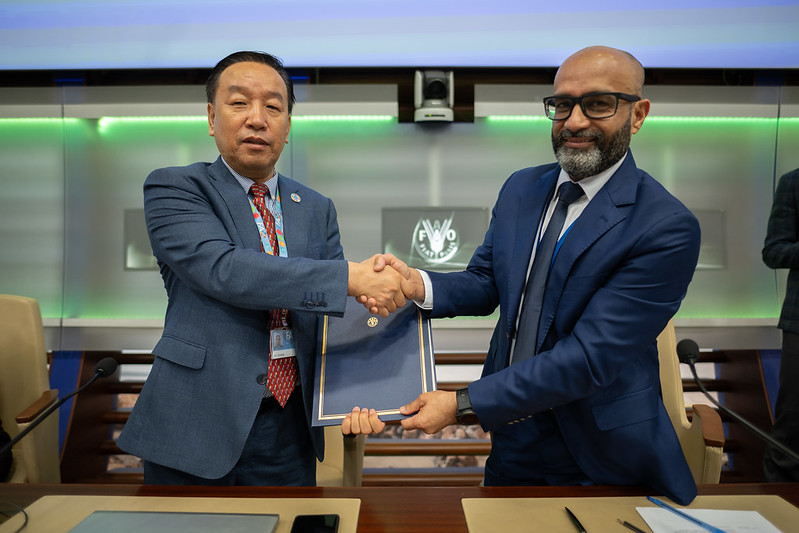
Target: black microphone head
{"x": 687, "y": 351}
{"x": 106, "y": 367}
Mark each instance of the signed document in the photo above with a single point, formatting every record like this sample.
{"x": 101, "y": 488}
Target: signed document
{"x": 369, "y": 361}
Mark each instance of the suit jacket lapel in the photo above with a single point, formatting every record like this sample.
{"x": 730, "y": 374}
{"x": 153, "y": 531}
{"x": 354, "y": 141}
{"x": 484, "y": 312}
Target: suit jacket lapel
{"x": 532, "y": 204}
{"x": 294, "y": 217}
{"x": 604, "y": 211}
{"x": 236, "y": 201}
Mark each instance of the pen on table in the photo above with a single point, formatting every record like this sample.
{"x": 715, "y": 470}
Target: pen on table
{"x": 577, "y": 523}
{"x": 628, "y": 525}
{"x": 685, "y": 515}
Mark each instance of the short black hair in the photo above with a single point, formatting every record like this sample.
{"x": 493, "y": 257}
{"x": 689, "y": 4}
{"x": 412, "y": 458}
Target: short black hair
{"x": 255, "y": 57}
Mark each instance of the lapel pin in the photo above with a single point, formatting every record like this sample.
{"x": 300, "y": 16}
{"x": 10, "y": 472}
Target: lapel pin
{"x": 295, "y": 197}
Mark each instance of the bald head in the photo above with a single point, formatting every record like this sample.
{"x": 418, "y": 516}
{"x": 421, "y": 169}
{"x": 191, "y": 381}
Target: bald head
{"x": 602, "y": 67}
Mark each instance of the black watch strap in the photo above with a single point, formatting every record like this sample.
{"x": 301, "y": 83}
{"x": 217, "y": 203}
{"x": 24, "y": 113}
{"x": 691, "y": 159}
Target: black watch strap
{"x": 465, "y": 413}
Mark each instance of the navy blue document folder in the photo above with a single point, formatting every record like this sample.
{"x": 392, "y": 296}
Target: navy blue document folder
{"x": 374, "y": 362}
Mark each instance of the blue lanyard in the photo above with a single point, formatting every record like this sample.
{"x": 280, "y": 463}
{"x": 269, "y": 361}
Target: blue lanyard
{"x": 278, "y": 216}
{"x": 542, "y": 229}
{"x": 559, "y": 243}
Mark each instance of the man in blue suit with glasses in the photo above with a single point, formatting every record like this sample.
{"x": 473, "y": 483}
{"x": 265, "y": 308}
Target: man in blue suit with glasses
{"x": 570, "y": 390}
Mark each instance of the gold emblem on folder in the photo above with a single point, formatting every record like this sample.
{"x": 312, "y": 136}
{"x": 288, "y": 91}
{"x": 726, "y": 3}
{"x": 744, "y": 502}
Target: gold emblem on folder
{"x": 371, "y": 322}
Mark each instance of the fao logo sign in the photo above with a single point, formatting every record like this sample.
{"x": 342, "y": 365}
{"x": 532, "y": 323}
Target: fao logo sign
{"x": 436, "y": 239}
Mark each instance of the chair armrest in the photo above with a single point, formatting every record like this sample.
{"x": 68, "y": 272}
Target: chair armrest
{"x": 712, "y": 430}
{"x": 48, "y": 398}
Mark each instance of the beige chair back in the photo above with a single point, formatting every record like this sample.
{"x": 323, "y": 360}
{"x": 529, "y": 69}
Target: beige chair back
{"x": 343, "y": 464}
{"x": 24, "y": 378}
{"x": 702, "y": 437}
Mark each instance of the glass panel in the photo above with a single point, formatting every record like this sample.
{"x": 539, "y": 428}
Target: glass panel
{"x": 65, "y": 185}
{"x": 32, "y": 209}
{"x": 721, "y": 165}
{"x": 363, "y": 166}
{"x": 107, "y": 161}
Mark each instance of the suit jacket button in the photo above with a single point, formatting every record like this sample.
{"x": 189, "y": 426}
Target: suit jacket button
{"x": 261, "y": 379}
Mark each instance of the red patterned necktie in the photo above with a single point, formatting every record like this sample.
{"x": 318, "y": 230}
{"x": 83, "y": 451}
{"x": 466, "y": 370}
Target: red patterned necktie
{"x": 282, "y": 373}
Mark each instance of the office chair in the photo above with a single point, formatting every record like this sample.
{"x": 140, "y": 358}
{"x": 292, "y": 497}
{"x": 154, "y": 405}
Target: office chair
{"x": 343, "y": 464}
{"x": 25, "y": 391}
{"x": 702, "y": 438}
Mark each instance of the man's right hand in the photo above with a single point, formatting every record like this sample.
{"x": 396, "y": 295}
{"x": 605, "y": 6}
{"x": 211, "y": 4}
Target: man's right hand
{"x": 385, "y": 289}
{"x": 416, "y": 290}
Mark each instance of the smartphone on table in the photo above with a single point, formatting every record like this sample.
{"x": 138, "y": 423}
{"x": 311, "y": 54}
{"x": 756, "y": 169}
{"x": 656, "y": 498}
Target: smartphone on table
{"x": 315, "y": 523}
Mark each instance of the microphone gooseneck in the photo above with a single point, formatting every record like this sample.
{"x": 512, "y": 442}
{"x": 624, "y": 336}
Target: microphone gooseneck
{"x": 688, "y": 352}
{"x": 105, "y": 368}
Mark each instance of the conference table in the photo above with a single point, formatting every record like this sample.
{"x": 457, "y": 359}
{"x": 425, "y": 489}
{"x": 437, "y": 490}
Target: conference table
{"x": 386, "y": 509}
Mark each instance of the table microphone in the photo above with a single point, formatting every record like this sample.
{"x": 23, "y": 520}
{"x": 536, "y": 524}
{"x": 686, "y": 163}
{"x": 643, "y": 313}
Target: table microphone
{"x": 688, "y": 352}
{"x": 106, "y": 367}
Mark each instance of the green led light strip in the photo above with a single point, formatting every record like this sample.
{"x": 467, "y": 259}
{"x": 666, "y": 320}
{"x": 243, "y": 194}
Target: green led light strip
{"x": 517, "y": 118}
{"x": 37, "y": 120}
{"x": 104, "y": 123}
{"x": 107, "y": 121}
{"x": 121, "y": 120}
{"x": 718, "y": 119}
{"x": 342, "y": 118}
{"x": 537, "y": 118}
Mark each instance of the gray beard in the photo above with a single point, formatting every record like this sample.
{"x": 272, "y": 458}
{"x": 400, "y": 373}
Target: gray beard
{"x": 581, "y": 163}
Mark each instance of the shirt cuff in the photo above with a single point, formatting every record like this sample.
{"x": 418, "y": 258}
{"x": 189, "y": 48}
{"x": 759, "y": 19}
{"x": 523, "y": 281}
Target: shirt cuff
{"x": 427, "y": 304}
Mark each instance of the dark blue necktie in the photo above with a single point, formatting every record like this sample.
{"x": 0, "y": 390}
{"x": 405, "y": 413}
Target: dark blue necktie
{"x": 527, "y": 331}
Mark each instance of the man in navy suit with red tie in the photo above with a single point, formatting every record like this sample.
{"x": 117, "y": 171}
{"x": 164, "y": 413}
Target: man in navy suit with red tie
{"x": 571, "y": 391}
{"x": 247, "y": 256}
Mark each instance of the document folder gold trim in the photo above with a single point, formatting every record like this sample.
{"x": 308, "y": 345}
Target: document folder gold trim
{"x": 423, "y": 342}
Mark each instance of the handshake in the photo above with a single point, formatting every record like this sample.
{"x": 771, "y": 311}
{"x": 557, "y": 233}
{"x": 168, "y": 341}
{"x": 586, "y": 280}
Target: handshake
{"x": 383, "y": 283}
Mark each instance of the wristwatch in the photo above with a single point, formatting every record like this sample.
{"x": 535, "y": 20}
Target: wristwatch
{"x": 465, "y": 414}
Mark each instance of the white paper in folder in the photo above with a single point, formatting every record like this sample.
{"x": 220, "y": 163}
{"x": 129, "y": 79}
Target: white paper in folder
{"x": 664, "y": 521}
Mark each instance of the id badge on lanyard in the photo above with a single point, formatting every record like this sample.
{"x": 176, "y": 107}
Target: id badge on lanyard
{"x": 280, "y": 336}
{"x": 282, "y": 343}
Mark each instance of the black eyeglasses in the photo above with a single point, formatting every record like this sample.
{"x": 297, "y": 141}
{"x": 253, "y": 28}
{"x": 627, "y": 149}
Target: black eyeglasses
{"x": 594, "y": 105}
